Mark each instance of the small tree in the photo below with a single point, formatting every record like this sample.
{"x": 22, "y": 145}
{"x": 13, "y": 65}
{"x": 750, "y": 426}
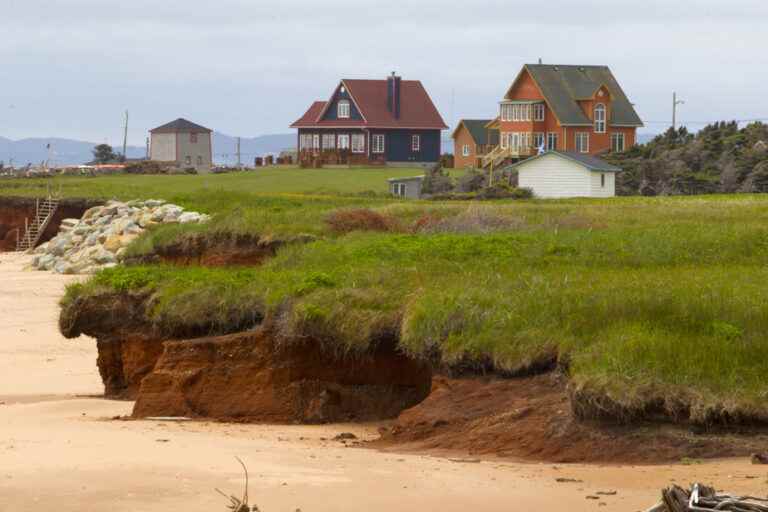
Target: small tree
{"x": 104, "y": 153}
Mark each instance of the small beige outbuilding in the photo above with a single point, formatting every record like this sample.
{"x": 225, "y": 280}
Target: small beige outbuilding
{"x": 566, "y": 174}
{"x": 183, "y": 144}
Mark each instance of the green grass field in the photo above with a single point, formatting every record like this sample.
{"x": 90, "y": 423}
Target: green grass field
{"x": 645, "y": 300}
{"x": 266, "y": 180}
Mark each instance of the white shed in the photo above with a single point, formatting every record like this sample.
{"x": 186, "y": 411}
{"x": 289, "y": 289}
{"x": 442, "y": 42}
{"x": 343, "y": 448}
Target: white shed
{"x": 566, "y": 174}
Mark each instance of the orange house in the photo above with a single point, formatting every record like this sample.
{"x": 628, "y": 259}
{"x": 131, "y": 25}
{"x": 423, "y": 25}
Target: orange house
{"x": 471, "y": 141}
{"x": 578, "y": 109}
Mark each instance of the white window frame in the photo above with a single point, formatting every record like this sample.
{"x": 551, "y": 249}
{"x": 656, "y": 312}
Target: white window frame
{"x": 415, "y": 143}
{"x": 343, "y": 109}
{"x": 377, "y": 143}
{"x": 538, "y": 112}
{"x": 539, "y": 139}
{"x": 504, "y": 140}
{"x": 343, "y": 142}
{"x": 599, "y": 114}
{"x": 615, "y": 138}
{"x": 465, "y": 150}
{"x": 329, "y": 141}
{"x": 315, "y": 141}
{"x": 358, "y": 143}
{"x": 552, "y": 139}
{"x": 582, "y": 142}
{"x": 305, "y": 141}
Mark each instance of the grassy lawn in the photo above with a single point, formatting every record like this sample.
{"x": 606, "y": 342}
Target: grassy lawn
{"x": 267, "y": 180}
{"x": 645, "y": 300}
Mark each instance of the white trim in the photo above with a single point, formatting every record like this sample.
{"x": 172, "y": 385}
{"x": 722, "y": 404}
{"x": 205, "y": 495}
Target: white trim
{"x": 343, "y": 137}
{"x": 465, "y": 150}
{"x": 415, "y": 142}
{"x": 601, "y": 122}
{"x": 355, "y": 143}
{"x": 619, "y": 136}
{"x": 343, "y": 113}
{"x": 581, "y": 141}
{"x": 378, "y": 143}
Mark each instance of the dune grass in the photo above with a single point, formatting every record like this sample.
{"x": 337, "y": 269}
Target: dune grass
{"x": 643, "y": 299}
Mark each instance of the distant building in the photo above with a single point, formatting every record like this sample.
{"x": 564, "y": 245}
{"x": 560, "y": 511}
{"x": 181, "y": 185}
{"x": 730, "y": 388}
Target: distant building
{"x": 183, "y": 144}
{"x": 566, "y": 174}
{"x": 391, "y": 121}
{"x": 407, "y": 188}
{"x": 472, "y": 139}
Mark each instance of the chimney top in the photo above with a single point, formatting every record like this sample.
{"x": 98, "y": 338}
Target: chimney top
{"x": 540, "y": 60}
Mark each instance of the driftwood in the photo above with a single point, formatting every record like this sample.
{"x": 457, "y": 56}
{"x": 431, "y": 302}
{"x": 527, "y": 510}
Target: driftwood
{"x": 702, "y": 498}
{"x": 240, "y": 504}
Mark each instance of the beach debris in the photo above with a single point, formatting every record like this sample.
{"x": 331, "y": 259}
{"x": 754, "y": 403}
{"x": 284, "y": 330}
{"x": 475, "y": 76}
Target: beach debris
{"x": 345, "y": 436}
{"x": 239, "y": 504}
{"x": 99, "y": 239}
{"x": 701, "y": 497}
{"x": 760, "y": 458}
{"x": 465, "y": 461}
{"x": 564, "y": 480}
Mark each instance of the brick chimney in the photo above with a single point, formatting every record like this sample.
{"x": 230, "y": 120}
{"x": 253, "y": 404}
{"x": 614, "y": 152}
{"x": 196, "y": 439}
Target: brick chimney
{"x": 393, "y": 95}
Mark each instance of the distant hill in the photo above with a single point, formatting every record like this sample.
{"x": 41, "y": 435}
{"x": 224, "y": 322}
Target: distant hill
{"x": 74, "y": 152}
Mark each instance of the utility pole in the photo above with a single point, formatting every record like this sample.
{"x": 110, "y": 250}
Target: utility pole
{"x": 125, "y": 137}
{"x": 239, "y": 162}
{"x": 675, "y": 103}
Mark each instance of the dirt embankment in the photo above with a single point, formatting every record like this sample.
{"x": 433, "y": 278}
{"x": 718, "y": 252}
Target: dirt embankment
{"x": 249, "y": 377}
{"x": 14, "y": 211}
{"x": 218, "y": 250}
{"x": 532, "y": 418}
{"x": 244, "y": 376}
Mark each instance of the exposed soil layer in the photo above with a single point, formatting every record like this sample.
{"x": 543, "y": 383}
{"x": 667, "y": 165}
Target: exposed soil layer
{"x": 14, "y": 211}
{"x": 248, "y": 377}
{"x": 531, "y": 418}
{"x": 217, "y": 250}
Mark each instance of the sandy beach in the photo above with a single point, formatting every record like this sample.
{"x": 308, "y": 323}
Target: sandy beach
{"x": 61, "y": 447}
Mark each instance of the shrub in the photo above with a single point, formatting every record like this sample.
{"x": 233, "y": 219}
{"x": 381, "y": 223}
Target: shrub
{"x": 472, "y": 181}
{"x": 358, "y": 219}
{"x": 474, "y": 219}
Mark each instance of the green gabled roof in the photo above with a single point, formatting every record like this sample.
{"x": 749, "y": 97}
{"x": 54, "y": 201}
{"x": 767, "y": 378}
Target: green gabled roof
{"x": 478, "y": 131}
{"x": 563, "y": 85}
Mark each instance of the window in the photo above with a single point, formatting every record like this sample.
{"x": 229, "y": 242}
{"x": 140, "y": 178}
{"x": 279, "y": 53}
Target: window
{"x": 329, "y": 141}
{"x": 538, "y": 140}
{"x": 465, "y": 150}
{"x": 398, "y": 189}
{"x": 506, "y": 111}
{"x": 617, "y": 142}
{"x": 305, "y": 141}
{"x": 193, "y": 138}
{"x": 358, "y": 143}
{"x": 415, "y": 142}
{"x": 599, "y": 118}
{"x": 316, "y": 141}
{"x": 552, "y": 141}
{"x": 199, "y": 160}
{"x": 602, "y": 180}
{"x": 504, "y": 140}
{"x": 582, "y": 142}
{"x": 343, "y": 141}
{"x": 538, "y": 112}
{"x": 342, "y": 111}
{"x": 377, "y": 143}
{"x": 188, "y": 160}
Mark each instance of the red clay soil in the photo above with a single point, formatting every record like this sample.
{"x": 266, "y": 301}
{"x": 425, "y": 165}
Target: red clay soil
{"x": 531, "y": 418}
{"x": 124, "y": 362}
{"x": 218, "y": 250}
{"x": 14, "y": 210}
{"x": 247, "y": 377}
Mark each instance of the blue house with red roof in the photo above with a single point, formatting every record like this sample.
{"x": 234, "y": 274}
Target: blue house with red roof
{"x": 390, "y": 121}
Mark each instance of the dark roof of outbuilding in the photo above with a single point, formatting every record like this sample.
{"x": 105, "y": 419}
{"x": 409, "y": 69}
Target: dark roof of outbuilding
{"x": 180, "y": 125}
{"x": 370, "y": 97}
{"x": 563, "y": 85}
{"x": 479, "y": 133}
{"x": 588, "y": 161}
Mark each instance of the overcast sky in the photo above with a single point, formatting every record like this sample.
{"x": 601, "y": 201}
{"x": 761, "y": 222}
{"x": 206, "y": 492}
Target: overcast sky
{"x": 69, "y": 68}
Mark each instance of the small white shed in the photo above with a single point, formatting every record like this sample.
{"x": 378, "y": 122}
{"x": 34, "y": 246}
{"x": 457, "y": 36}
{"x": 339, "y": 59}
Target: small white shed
{"x": 566, "y": 174}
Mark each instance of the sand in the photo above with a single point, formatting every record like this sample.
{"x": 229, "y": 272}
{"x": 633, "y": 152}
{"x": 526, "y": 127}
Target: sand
{"x": 60, "y": 449}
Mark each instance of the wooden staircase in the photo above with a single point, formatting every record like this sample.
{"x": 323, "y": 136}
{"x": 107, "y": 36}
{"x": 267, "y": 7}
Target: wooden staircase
{"x": 44, "y": 212}
{"x": 498, "y": 155}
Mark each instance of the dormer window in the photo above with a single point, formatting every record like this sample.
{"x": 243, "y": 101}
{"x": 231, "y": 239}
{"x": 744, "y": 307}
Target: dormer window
{"x": 343, "y": 109}
{"x": 599, "y": 118}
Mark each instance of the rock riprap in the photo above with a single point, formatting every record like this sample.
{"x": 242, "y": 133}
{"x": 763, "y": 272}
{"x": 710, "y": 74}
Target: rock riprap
{"x": 99, "y": 239}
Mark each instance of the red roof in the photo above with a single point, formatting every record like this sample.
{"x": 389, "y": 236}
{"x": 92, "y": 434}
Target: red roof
{"x": 370, "y": 97}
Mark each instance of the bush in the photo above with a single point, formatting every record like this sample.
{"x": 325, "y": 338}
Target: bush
{"x": 504, "y": 191}
{"x": 359, "y": 219}
{"x": 147, "y": 167}
{"x": 472, "y": 181}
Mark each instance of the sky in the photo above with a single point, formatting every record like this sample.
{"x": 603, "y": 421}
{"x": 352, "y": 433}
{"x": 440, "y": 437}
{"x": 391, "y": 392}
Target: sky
{"x": 70, "y": 68}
